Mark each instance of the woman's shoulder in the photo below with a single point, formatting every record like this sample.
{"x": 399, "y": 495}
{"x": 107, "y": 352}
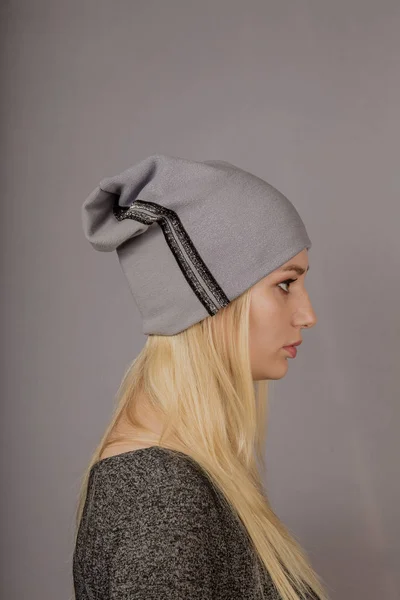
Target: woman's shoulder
{"x": 151, "y": 491}
{"x": 148, "y": 478}
{"x": 145, "y": 464}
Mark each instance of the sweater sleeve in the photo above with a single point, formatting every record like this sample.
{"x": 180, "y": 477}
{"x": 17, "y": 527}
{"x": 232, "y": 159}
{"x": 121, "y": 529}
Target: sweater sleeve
{"x": 168, "y": 544}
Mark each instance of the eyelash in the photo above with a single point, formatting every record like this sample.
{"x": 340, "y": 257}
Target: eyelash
{"x": 288, "y": 282}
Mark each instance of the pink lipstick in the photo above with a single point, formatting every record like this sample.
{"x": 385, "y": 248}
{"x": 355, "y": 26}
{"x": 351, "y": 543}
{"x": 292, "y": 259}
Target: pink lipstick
{"x": 291, "y": 350}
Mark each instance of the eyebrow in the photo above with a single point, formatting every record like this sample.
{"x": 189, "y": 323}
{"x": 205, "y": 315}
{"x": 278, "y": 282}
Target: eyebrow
{"x": 299, "y": 270}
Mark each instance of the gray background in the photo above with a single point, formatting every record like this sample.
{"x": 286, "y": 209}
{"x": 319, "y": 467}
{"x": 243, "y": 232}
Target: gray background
{"x": 305, "y": 94}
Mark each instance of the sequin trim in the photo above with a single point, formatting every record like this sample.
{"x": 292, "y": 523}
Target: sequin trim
{"x": 189, "y": 260}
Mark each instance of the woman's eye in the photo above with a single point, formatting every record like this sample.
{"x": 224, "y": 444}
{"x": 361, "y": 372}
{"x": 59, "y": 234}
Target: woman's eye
{"x": 287, "y": 282}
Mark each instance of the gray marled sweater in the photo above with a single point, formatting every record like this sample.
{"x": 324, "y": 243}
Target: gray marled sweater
{"x": 154, "y": 527}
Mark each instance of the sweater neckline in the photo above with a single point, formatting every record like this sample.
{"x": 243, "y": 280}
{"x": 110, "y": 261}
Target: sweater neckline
{"x": 128, "y": 454}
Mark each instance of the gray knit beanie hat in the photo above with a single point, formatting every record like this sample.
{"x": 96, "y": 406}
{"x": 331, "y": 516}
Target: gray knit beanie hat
{"x": 190, "y": 236}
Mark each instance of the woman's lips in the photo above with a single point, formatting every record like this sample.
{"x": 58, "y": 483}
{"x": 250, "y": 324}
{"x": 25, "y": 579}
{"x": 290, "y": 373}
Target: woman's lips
{"x": 291, "y": 350}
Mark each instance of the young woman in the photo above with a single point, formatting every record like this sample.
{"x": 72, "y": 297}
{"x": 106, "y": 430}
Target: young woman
{"x": 172, "y": 504}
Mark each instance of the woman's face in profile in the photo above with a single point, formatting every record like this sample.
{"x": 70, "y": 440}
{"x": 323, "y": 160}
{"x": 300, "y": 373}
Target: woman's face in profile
{"x": 279, "y": 309}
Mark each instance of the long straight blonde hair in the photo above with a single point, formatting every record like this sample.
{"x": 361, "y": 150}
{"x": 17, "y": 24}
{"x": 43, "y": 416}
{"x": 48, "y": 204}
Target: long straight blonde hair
{"x": 200, "y": 382}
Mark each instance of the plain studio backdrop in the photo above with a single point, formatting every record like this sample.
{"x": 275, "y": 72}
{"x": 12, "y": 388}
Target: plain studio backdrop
{"x": 304, "y": 94}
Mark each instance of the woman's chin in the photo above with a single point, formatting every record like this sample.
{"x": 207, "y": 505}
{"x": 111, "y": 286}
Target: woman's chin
{"x": 277, "y": 371}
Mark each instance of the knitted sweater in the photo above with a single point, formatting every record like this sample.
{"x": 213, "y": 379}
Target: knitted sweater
{"x": 154, "y": 527}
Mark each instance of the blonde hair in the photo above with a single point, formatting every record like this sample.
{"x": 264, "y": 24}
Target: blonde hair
{"x": 200, "y": 381}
